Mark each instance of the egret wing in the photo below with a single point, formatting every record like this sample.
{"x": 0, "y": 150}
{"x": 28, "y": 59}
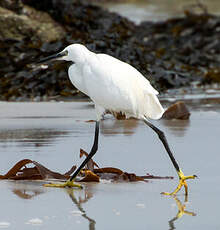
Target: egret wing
{"x": 122, "y": 88}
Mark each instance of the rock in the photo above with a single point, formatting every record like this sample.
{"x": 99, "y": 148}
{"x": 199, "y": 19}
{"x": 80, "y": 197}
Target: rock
{"x": 14, "y": 5}
{"x": 171, "y": 53}
{"x": 178, "y": 110}
{"x": 31, "y": 24}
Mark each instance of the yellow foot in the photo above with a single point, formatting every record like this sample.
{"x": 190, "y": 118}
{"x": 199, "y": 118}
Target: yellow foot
{"x": 68, "y": 183}
{"x": 182, "y": 182}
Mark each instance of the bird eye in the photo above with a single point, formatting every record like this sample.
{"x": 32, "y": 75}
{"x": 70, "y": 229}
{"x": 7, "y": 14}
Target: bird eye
{"x": 66, "y": 52}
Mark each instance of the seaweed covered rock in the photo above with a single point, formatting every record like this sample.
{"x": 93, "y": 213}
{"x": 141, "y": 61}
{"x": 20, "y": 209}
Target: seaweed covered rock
{"x": 188, "y": 47}
{"x": 14, "y": 5}
{"x": 171, "y": 53}
{"x": 31, "y": 24}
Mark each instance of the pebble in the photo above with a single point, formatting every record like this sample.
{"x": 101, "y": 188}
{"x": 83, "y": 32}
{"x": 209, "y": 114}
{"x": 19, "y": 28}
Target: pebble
{"x": 4, "y": 224}
{"x": 35, "y": 221}
{"x": 76, "y": 213}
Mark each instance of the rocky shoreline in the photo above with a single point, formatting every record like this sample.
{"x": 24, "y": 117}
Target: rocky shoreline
{"x": 176, "y": 52}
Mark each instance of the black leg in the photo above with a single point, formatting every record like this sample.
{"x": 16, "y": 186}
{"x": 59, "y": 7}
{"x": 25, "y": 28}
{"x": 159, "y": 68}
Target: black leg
{"x": 182, "y": 178}
{"x": 92, "y": 152}
{"x": 165, "y": 143}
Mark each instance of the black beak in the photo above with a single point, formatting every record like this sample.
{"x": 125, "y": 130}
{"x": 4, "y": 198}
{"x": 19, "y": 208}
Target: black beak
{"x": 53, "y": 57}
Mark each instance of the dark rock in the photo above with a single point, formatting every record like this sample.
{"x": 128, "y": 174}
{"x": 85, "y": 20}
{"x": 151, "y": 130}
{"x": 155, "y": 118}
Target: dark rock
{"x": 34, "y": 25}
{"x": 14, "y": 5}
{"x": 178, "y": 110}
{"x": 170, "y": 54}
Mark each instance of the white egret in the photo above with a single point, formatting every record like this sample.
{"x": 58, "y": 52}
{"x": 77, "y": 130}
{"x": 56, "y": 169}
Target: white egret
{"x": 117, "y": 87}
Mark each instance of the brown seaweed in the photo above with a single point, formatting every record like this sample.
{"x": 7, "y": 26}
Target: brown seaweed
{"x": 27, "y": 169}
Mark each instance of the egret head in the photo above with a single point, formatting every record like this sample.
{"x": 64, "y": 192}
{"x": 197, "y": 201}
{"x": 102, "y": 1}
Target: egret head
{"x": 75, "y": 53}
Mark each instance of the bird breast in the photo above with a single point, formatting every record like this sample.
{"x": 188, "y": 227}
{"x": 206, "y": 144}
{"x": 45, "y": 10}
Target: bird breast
{"x": 116, "y": 86}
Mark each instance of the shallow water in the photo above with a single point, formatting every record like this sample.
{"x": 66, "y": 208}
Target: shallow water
{"x": 156, "y": 10}
{"x": 52, "y": 133}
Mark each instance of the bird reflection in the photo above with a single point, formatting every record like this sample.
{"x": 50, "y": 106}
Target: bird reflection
{"x": 29, "y": 191}
{"x": 87, "y": 196}
{"x": 181, "y": 211}
{"x": 112, "y": 126}
{"x": 25, "y": 191}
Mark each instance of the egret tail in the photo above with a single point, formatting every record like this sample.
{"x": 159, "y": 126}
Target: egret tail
{"x": 154, "y": 109}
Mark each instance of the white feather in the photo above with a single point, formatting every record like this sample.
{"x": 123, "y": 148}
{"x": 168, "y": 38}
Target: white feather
{"x": 113, "y": 85}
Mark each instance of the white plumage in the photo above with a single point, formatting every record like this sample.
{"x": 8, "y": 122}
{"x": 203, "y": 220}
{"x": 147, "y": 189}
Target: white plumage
{"x": 113, "y": 85}
{"x": 117, "y": 87}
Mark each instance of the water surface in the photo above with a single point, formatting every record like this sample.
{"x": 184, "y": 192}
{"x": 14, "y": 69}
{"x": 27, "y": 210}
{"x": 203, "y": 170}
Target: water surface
{"x": 156, "y": 10}
{"x": 52, "y": 133}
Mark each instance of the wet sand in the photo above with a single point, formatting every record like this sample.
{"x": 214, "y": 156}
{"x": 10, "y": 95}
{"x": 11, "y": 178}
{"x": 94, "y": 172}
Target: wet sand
{"x": 52, "y": 133}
